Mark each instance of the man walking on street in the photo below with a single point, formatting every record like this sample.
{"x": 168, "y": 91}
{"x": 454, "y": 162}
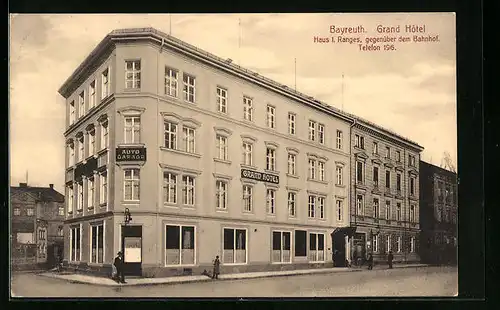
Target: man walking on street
{"x": 215, "y": 275}
{"x": 390, "y": 257}
{"x": 120, "y": 277}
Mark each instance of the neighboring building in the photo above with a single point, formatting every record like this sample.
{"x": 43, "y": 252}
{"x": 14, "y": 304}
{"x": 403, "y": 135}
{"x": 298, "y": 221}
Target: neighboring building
{"x": 385, "y": 194}
{"x": 438, "y": 214}
{"x": 37, "y": 219}
{"x": 208, "y": 158}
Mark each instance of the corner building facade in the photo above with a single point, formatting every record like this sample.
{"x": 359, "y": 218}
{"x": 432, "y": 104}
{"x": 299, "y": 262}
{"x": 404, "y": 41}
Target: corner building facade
{"x": 208, "y": 158}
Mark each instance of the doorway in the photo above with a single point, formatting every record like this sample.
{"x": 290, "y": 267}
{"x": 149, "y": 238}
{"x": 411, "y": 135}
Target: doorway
{"x": 339, "y": 249}
{"x": 132, "y": 250}
{"x": 359, "y": 249}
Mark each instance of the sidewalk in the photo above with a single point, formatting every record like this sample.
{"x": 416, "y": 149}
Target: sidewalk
{"x": 86, "y": 279}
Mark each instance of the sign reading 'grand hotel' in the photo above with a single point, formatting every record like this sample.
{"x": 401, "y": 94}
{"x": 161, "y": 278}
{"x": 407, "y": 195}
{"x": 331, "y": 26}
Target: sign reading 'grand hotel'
{"x": 259, "y": 176}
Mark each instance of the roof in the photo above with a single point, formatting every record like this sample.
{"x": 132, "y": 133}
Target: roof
{"x": 436, "y": 169}
{"x": 176, "y": 43}
{"x": 46, "y": 193}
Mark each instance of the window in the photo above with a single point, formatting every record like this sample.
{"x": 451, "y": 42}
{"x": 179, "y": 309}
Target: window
{"x": 170, "y": 135}
{"x": 71, "y": 149}
{"x": 169, "y": 188}
{"x": 359, "y": 141}
{"x": 188, "y": 188}
{"x": 81, "y": 148}
{"x": 17, "y": 211}
{"x": 339, "y": 173}
{"x": 70, "y": 199}
{"x": 179, "y": 245}
{"x": 72, "y": 117}
{"x": 247, "y": 198}
{"x": 60, "y": 211}
{"x": 312, "y": 169}
{"x": 340, "y": 210}
{"x": 30, "y": 212}
{"x": 398, "y": 156}
{"x": 321, "y": 133}
{"x": 412, "y": 186}
{"x": 300, "y": 243}
{"x": 375, "y": 176}
{"x": 81, "y": 104}
{"x": 321, "y": 207}
{"x": 312, "y": 206}
{"x": 360, "y": 204}
{"x": 189, "y": 139}
{"x": 292, "y": 204}
{"x": 60, "y": 231}
{"x": 189, "y": 88}
{"x": 91, "y": 142}
{"x": 340, "y": 140}
{"x": 104, "y": 135}
{"x": 133, "y": 74}
{"x": 80, "y": 197}
{"x": 375, "y": 148}
{"x": 360, "y": 172}
{"x": 247, "y": 153}
{"x": 221, "y": 100}
{"x": 97, "y": 244}
{"x": 75, "y": 247}
{"x": 271, "y": 117}
{"x": 376, "y": 210}
{"x": 90, "y": 193}
{"x": 132, "y": 184}
{"x": 398, "y": 211}
{"x": 271, "y": 159}
{"x": 271, "y": 201}
{"x": 375, "y": 243}
{"x": 412, "y": 244}
{"x": 387, "y": 152}
{"x": 248, "y": 109}
{"x": 316, "y": 247}
{"x": 291, "y": 123}
{"x": 105, "y": 84}
{"x": 221, "y": 146}
{"x": 388, "y": 243}
{"x": 281, "y": 247}
{"x": 387, "y": 210}
{"x": 412, "y": 214}
{"x": 171, "y": 82}
{"x": 103, "y": 181}
{"x": 387, "y": 179}
{"x": 292, "y": 158}
{"x": 132, "y": 129}
{"x": 398, "y": 182}
{"x": 321, "y": 170}
{"x": 92, "y": 100}
{"x": 312, "y": 130}
{"x": 399, "y": 244}
{"x": 221, "y": 195}
{"x": 235, "y": 246}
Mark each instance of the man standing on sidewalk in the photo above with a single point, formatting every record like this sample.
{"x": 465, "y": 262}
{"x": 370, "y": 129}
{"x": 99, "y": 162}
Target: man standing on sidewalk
{"x": 120, "y": 277}
{"x": 390, "y": 257}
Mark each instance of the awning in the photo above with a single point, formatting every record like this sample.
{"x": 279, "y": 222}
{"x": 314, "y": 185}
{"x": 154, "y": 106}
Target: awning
{"x": 346, "y": 231}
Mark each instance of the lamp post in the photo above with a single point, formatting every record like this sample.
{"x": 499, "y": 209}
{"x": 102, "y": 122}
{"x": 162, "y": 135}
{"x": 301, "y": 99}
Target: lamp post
{"x": 128, "y": 218}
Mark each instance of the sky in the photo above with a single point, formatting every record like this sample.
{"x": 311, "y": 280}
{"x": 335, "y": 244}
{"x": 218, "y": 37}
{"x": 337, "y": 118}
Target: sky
{"x": 410, "y": 90}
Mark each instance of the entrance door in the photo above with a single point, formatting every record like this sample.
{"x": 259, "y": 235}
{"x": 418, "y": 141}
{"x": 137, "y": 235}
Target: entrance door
{"x": 132, "y": 250}
{"x": 338, "y": 241}
{"x": 359, "y": 248}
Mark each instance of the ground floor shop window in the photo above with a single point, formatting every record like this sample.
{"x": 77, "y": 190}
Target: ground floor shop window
{"x": 235, "y": 246}
{"x": 75, "y": 248}
{"x": 179, "y": 245}
{"x": 97, "y": 243}
{"x": 281, "y": 247}
{"x": 316, "y": 247}
{"x": 300, "y": 243}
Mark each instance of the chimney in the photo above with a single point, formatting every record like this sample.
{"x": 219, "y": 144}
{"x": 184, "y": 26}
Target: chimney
{"x": 23, "y": 184}
{"x": 51, "y": 186}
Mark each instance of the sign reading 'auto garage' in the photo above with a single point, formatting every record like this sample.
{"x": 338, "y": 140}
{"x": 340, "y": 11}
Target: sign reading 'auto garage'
{"x": 131, "y": 154}
{"x": 260, "y": 176}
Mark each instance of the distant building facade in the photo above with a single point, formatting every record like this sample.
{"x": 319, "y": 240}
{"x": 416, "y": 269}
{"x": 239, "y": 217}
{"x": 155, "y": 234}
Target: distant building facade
{"x": 37, "y": 225}
{"x": 439, "y": 214}
{"x": 385, "y": 194}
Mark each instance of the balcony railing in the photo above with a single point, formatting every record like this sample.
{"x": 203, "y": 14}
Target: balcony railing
{"x": 103, "y": 159}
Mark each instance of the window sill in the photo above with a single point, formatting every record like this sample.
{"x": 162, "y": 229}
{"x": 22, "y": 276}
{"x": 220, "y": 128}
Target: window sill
{"x": 281, "y": 263}
{"x": 317, "y": 262}
{"x": 222, "y": 161}
{"x": 102, "y": 151}
{"x": 131, "y": 202}
{"x": 248, "y": 167}
{"x": 102, "y": 205}
{"x": 126, "y": 144}
{"x": 317, "y": 181}
{"x": 96, "y": 264}
{"x": 292, "y": 176}
{"x": 359, "y": 148}
{"x": 132, "y": 90}
{"x": 272, "y": 172}
{"x": 190, "y": 102}
{"x": 271, "y": 215}
{"x": 221, "y": 210}
{"x": 180, "y": 152}
{"x": 171, "y": 205}
{"x": 247, "y": 213}
{"x": 340, "y": 185}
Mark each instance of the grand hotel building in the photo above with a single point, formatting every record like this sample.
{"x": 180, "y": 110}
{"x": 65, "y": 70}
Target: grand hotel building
{"x": 207, "y": 158}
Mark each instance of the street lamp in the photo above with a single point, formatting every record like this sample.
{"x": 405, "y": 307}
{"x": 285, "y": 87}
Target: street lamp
{"x": 128, "y": 218}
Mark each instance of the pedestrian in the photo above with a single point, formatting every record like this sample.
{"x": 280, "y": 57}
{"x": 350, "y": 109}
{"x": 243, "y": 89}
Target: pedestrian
{"x": 390, "y": 257}
{"x": 370, "y": 261}
{"x": 215, "y": 274}
{"x": 120, "y": 277}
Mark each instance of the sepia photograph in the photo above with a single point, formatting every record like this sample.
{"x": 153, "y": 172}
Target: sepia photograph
{"x": 233, "y": 155}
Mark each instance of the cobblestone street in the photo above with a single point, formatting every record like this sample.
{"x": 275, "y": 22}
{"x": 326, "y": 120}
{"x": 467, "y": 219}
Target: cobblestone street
{"x": 426, "y": 281}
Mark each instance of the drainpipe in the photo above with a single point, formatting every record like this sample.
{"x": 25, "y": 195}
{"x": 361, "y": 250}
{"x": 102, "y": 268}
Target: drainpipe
{"x": 355, "y": 202}
{"x": 158, "y": 228}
